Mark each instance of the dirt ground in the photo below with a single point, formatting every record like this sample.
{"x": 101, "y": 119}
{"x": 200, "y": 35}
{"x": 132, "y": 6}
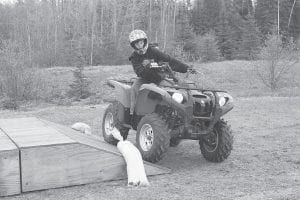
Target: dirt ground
{"x": 264, "y": 164}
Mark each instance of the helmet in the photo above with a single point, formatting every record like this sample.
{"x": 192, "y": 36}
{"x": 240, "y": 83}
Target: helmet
{"x": 136, "y": 35}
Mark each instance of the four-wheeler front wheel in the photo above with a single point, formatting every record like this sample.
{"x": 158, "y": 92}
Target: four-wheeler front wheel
{"x": 110, "y": 122}
{"x": 153, "y": 137}
{"x": 217, "y": 145}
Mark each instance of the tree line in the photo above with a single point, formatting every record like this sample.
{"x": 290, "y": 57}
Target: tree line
{"x": 94, "y": 32}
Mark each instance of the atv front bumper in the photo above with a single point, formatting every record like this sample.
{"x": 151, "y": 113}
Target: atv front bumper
{"x": 186, "y": 113}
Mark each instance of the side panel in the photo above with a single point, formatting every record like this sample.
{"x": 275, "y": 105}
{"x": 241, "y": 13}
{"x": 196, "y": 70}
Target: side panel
{"x": 123, "y": 95}
{"x": 123, "y": 113}
{"x": 9, "y": 167}
{"x": 145, "y": 105}
{"x": 65, "y": 165}
{"x": 149, "y": 96}
{"x": 9, "y": 173}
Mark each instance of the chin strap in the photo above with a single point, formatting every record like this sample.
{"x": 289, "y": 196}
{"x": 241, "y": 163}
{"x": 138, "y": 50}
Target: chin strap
{"x": 143, "y": 50}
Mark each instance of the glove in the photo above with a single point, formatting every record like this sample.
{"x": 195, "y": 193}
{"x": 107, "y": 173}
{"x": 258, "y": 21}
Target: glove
{"x": 146, "y": 62}
{"x": 152, "y": 65}
{"x": 191, "y": 70}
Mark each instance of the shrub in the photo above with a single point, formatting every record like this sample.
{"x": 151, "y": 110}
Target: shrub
{"x": 180, "y": 54}
{"x": 80, "y": 87}
{"x": 18, "y": 77}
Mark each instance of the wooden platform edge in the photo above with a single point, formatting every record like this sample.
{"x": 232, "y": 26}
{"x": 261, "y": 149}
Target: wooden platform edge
{"x": 10, "y": 178}
{"x": 91, "y": 141}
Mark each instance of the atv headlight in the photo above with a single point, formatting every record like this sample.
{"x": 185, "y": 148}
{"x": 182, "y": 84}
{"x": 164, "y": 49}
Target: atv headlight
{"x": 177, "y": 97}
{"x": 224, "y": 98}
{"x": 222, "y": 101}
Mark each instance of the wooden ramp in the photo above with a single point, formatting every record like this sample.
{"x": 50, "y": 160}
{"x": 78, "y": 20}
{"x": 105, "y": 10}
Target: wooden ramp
{"x": 37, "y": 154}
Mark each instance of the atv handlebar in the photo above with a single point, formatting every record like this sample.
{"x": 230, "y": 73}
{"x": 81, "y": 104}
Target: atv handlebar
{"x": 164, "y": 67}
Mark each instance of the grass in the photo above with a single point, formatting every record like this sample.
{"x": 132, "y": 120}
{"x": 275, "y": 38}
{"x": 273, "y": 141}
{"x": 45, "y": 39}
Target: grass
{"x": 237, "y": 77}
{"x": 240, "y": 79}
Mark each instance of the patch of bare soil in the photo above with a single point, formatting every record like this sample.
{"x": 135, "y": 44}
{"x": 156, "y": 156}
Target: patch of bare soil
{"x": 264, "y": 164}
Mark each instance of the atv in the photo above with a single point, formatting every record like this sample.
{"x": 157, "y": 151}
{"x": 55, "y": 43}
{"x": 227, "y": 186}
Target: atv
{"x": 166, "y": 113}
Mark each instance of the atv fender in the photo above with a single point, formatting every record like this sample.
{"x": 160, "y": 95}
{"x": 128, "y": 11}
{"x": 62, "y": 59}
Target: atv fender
{"x": 149, "y": 96}
{"x": 123, "y": 92}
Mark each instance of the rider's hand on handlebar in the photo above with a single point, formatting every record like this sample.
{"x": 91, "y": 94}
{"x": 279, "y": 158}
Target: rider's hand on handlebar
{"x": 154, "y": 65}
{"x": 191, "y": 70}
{"x": 146, "y": 62}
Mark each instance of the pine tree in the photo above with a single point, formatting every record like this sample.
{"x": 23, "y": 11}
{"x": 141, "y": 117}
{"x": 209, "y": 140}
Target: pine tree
{"x": 244, "y": 7}
{"x": 206, "y": 15}
{"x": 207, "y": 47}
{"x": 229, "y": 30}
{"x": 287, "y": 9}
{"x": 294, "y": 27}
{"x": 184, "y": 36}
{"x": 79, "y": 89}
{"x": 249, "y": 45}
{"x": 226, "y": 42}
{"x": 265, "y": 15}
{"x": 5, "y": 22}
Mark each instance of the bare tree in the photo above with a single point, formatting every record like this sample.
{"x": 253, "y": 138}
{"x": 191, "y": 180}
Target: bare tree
{"x": 133, "y": 10}
{"x": 101, "y": 21}
{"x": 115, "y": 18}
{"x": 276, "y": 61}
{"x": 28, "y": 33}
{"x": 150, "y": 15}
{"x": 92, "y": 32}
{"x": 174, "y": 18}
{"x": 292, "y": 9}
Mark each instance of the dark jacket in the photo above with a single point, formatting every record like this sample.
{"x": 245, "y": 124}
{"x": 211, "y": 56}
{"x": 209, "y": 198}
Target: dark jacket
{"x": 153, "y": 53}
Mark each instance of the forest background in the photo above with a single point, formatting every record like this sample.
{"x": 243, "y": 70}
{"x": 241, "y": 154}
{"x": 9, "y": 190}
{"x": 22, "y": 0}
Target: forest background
{"x": 37, "y": 34}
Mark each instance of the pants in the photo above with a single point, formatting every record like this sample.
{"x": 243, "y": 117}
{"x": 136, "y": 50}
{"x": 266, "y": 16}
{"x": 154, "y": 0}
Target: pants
{"x": 134, "y": 92}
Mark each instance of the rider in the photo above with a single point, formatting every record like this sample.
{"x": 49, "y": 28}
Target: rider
{"x": 141, "y": 60}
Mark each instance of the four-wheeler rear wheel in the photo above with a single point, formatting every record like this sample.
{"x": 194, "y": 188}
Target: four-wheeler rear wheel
{"x": 109, "y": 122}
{"x": 217, "y": 145}
{"x": 153, "y": 137}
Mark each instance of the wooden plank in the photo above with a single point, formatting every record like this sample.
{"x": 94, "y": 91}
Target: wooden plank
{"x": 47, "y": 136}
{"x": 9, "y": 167}
{"x": 20, "y": 123}
{"x": 150, "y": 168}
{"x": 65, "y": 165}
{"x": 29, "y": 132}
